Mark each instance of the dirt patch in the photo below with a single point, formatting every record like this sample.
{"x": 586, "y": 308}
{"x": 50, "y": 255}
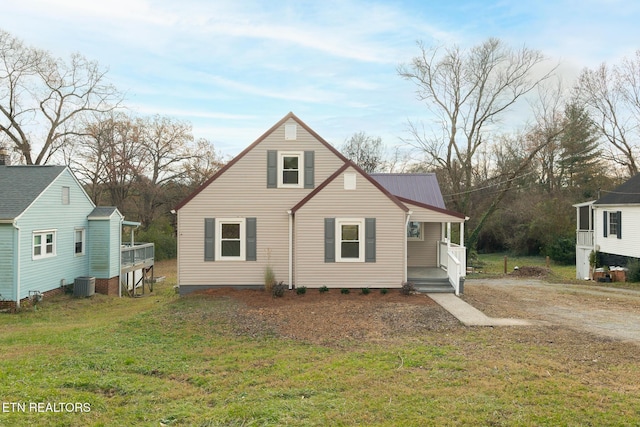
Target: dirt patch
{"x": 605, "y": 312}
{"x": 333, "y": 317}
{"x": 530, "y": 271}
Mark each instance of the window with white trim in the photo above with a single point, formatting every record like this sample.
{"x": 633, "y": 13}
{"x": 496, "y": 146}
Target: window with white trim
{"x": 44, "y": 244}
{"x": 290, "y": 169}
{"x": 613, "y": 224}
{"x": 350, "y": 240}
{"x": 415, "y": 231}
{"x": 230, "y": 239}
{"x": 78, "y": 240}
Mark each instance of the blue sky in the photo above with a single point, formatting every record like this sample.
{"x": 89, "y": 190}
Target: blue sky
{"x": 233, "y": 68}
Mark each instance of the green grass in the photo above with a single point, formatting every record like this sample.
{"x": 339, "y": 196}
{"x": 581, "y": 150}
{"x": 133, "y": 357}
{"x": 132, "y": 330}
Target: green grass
{"x": 493, "y": 265}
{"x": 168, "y": 360}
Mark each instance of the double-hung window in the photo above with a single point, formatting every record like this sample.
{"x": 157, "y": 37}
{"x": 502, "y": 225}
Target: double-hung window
{"x": 613, "y": 223}
{"x": 290, "y": 169}
{"x": 230, "y": 239}
{"x": 44, "y": 244}
{"x": 350, "y": 240}
{"x": 78, "y": 241}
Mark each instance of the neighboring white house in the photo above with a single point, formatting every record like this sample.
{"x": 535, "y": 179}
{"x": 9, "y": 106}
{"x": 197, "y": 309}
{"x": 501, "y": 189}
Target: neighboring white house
{"x": 290, "y": 201}
{"x": 609, "y": 226}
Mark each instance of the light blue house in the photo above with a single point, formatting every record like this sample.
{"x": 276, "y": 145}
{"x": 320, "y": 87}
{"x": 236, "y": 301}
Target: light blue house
{"x": 51, "y": 233}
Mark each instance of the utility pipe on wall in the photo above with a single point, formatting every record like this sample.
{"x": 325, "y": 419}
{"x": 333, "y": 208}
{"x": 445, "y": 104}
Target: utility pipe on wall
{"x": 290, "y": 249}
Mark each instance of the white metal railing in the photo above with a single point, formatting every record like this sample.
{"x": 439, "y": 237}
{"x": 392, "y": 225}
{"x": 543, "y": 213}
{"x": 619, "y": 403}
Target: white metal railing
{"x": 136, "y": 254}
{"x": 584, "y": 238}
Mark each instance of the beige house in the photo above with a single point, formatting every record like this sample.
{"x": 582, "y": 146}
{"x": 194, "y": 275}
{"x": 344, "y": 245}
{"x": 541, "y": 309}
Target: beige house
{"x": 292, "y": 202}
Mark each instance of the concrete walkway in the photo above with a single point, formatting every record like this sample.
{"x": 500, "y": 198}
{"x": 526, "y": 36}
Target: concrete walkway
{"x": 470, "y": 315}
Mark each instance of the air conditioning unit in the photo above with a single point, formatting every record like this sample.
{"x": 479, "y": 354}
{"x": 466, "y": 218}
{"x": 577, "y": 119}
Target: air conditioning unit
{"x": 84, "y": 286}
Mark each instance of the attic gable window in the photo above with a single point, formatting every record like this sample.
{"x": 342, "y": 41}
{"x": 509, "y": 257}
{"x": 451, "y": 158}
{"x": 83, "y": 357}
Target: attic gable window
{"x": 65, "y": 195}
{"x": 290, "y": 132}
{"x": 290, "y": 168}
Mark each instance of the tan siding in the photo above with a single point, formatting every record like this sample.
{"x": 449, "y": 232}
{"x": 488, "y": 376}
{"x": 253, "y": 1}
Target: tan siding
{"x": 421, "y": 214}
{"x": 364, "y": 202}
{"x": 424, "y": 253}
{"x": 242, "y": 192}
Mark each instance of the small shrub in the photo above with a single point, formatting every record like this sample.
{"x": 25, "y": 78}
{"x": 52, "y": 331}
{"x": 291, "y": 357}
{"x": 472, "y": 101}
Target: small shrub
{"x": 344, "y": 291}
{"x": 269, "y": 279}
{"x": 323, "y": 289}
{"x": 633, "y": 275}
{"x": 301, "y": 290}
{"x": 384, "y": 291}
{"x": 563, "y": 250}
{"x": 365, "y": 291}
{"x": 407, "y": 288}
{"x": 278, "y": 290}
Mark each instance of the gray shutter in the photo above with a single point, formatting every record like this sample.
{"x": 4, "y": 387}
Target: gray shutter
{"x": 619, "y": 224}
{"x": 272, "y": 169}
{"x": 250, "y": 244}
{"x": 329, "y": 240}
{"x": 604, "y": 223}
{"x": 309, "y": 181}
{"x": 209, "y": 239}
{"x": 370, "y": 240}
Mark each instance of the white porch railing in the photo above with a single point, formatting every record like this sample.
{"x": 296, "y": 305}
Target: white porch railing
{"x": 454, "y": 259}
{"x": 137, "y": 256}
{"x": 584, "y": 238}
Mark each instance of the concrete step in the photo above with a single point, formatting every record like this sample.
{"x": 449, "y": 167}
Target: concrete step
{"x": 435, "y": 289}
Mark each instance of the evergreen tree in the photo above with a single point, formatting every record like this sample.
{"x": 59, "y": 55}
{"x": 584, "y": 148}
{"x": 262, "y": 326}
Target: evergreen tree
{"x": 579, "y": 162}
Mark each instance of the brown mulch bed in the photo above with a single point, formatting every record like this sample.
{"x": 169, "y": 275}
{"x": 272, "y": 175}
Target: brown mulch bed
{"x": 333, "y": 317}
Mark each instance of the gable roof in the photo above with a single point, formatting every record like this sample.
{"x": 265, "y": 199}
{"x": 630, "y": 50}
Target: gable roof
{"x": 337, "y": 173}
{"x": 21, "y": 185}
{"x": 256, "y": 142}
{"x": 103, "y": 212}
{"x": 624, "y": 194}
{"x": 419, "y": 187}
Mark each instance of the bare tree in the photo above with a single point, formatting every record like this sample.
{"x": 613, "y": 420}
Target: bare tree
{"x": 365, "y": 151}
{"x": 468, "y": 92}
{"x": 167, "y": 146}
{"x": 203, "y": 165}
{"x": 613, "y": 98}
{"x": 42, "y": 98}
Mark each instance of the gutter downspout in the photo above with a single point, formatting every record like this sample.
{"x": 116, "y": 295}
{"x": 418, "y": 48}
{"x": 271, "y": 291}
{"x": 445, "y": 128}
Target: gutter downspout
{"x": 406, "y": 251}
{"x": 290, "y": 213}
{"x": 18, "y": 267}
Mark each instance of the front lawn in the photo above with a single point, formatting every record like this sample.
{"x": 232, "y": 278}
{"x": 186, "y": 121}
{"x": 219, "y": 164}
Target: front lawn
{"x": 166, "y": 360}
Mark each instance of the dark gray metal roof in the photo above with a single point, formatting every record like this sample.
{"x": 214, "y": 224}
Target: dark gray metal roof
{"x": 102, "y": 212}
{"x": 20, "y": 185}
{"x": 624, "y": 194}
{"x": 419, "y": 187}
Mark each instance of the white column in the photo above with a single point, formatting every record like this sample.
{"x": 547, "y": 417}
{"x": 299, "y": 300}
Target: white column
{"x": 462, "y": 234}
{"x": 448, "y": 234}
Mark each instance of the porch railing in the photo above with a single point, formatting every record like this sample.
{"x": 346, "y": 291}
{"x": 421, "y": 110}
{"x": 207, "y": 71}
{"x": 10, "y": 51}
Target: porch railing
{"x": 454, "y": 259}
{"x": 454, "y": 272}
{"x": 584, "y": 238}
{"x": 139, "y": 253}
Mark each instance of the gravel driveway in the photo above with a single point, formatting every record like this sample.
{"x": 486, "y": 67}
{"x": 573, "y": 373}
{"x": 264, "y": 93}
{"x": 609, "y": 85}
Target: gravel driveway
{"x": 607, "y": 312}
